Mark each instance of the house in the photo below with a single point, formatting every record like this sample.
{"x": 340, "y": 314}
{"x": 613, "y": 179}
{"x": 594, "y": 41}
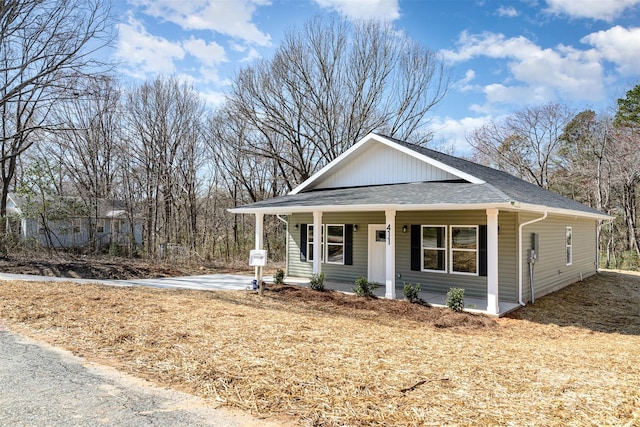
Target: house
{"x": 67, "y": 222}
{"x": 399, "y": 213}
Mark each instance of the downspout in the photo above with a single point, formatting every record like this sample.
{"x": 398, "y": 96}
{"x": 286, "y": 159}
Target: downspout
{"x": 520, "y": 254}
{"x": 286, "y": 244}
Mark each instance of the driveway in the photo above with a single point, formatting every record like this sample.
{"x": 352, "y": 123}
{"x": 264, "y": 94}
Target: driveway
{"x": 208, "y": 282}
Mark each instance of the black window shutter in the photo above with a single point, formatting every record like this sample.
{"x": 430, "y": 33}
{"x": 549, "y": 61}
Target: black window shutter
{"x": 416, "y": 245}
{"x": 303, "y": 242}
{"x": 348, "y": 244}
{"x": 482, "y": 255}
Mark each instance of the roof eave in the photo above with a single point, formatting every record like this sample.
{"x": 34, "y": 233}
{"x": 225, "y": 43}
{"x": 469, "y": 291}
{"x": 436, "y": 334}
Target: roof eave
{"x": 505, "y": 206}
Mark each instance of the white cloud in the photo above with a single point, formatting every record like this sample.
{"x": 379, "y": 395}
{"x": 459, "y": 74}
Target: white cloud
{"x": 620, "y": 46}
{"x": 145, "y": 53}
{"x": 232, "y": 18}
{"x": 387, "y": 10}
{"x": 535, "y": 74}
{"x": 454, "y": 132}
{"x": 507, "y": 12}
{"x": 209, "y": 54}
{"x": 605, "y": 10}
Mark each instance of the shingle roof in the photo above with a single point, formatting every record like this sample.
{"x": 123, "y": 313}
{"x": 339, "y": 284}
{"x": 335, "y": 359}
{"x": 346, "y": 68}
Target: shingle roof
{"x": 514, "y": 188}
{"x": 500, "y": 188}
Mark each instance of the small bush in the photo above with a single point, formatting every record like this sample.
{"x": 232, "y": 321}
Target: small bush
{"x": 278, "y": 278}
{"x": 364, "y": 288}
{"x": 455, "y": 299}
{"x": 411, "y": 292}
{"x": 317, "y": 282}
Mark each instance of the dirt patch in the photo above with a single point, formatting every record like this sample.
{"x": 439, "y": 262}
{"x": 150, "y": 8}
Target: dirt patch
{"x": 108, "y": 268}
{"x": 328, "y": 359}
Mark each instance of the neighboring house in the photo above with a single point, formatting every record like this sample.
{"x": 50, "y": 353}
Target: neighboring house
{"x": 72, "y": 225}
{"x": 398, "y": 213}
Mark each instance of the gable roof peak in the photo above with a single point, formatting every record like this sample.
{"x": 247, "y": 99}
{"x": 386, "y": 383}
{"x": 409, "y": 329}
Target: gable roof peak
{"x": 427, "y": 156}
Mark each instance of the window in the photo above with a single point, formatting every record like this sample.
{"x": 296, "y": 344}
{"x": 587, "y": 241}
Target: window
{"x": 335, "y": 244}
{"x": 100, "y": 226}
{"x": 310, "y": 237}
{"x": 464, "y": 249}
{"x": 434, "y": 248}
{"x": 75, "y": 225}
{"x": 569, "y": 246}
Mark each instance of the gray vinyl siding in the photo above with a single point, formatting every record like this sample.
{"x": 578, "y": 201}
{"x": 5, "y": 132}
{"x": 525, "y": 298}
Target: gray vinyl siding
{"x": 334, "y": 272}
{"x": 550, "y": 270}
{"x": 435, "y": 282}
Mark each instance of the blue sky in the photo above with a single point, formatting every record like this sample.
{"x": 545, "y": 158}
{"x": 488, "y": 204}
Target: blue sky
{"x": 505, "y": 55}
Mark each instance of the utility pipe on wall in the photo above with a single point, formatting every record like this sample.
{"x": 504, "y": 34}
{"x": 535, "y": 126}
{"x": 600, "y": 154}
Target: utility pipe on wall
{"x": 520, "y": 254}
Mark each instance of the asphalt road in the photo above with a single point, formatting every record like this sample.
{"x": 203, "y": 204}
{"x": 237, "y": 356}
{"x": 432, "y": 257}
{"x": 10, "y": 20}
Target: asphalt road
{"x": 44, "y": 386}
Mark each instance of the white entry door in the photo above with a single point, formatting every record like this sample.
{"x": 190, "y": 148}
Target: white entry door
{"x": 377, "y": 253}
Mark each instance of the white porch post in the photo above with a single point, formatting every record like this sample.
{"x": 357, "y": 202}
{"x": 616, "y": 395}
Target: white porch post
{"x": 390, "y": 262}
{"x": 317, "y": 241}
{"x": 259, "y": 241}
{"x": 493, "y": 303}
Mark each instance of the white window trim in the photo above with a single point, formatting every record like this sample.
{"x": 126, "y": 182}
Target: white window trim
{"x": 443, "y": 249}
{"x": 476, "y": 250}
{"x": 568, "y": 247}
{"x": 326, "y": 243}
{"x": 310, "y": 246}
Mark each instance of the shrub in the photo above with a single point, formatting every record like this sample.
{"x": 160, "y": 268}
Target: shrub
{"x": 317, "y": 282}
{"x": 455, "y": 299}
{"x": 364, "y": 288}
{"x": 278, "y": 278}
{"x": 411, "y": 292}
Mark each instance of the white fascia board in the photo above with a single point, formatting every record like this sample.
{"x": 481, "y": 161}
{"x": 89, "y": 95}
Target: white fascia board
{"x": 505, "y": 206}
{"x": 370, "y": 208}
{"x": 453, "y": 171}
{"x": 559, "y": 211}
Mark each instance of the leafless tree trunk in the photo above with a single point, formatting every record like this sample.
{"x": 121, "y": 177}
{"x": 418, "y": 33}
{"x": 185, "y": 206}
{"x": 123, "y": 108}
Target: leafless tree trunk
{"x": 44, "y": 46}
{"x": 164, "y": 135}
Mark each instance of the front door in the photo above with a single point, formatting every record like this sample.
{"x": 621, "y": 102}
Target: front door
{"x": 377, "y": 253}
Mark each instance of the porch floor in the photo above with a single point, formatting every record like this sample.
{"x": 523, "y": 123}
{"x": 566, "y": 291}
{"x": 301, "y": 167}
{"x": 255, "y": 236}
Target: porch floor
{"x": 472, "y": 305}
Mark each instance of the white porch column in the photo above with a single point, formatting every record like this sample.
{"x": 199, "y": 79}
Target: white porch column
{"x": 317, "y": 241}
{"x": 492, "y": 262}
{"x": 390, "y": 262}
{"x": 259, "y": 241}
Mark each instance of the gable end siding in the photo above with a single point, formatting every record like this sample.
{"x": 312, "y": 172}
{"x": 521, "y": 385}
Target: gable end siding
{"x": 379, "y": 164}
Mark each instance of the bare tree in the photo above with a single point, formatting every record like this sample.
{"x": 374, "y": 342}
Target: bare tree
{"x": 89, "y": 143}
{"x": 44, "y": 47}
{"x": 164, "y": 134}
{"x": 525, "y": 144}
{"x": 329, "y": 84}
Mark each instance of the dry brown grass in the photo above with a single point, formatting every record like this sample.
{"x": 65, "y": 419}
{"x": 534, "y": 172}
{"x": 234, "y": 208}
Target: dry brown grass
{"x": 331, "y": 359}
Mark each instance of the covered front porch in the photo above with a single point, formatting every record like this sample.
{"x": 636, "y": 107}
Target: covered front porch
{"x": 394, "y": 236}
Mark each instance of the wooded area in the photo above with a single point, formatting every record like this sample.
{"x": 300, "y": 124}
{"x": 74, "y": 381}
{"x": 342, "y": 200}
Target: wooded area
{"x": 71, "y": 130}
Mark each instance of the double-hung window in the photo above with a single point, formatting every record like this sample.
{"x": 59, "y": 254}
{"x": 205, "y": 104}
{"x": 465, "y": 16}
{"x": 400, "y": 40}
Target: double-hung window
{"x": 569, "y": 245}
{"x": 464, "y": 249}
{"x": 434, "y": 248}
{"x": 332, "y": 243}
{"x": 335, "y": 244}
